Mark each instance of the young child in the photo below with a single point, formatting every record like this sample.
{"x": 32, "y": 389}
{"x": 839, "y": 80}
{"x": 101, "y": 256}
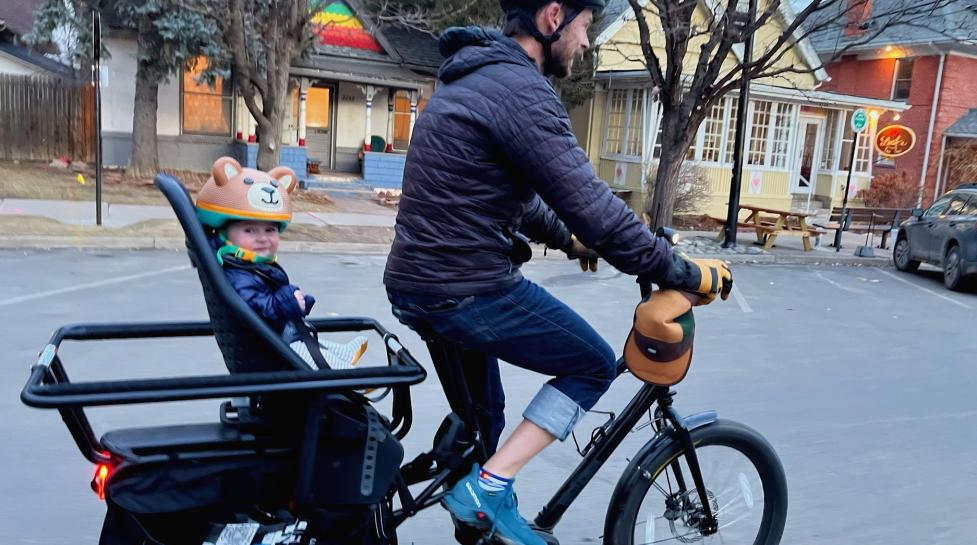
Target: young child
{"x": 247, "y": 210}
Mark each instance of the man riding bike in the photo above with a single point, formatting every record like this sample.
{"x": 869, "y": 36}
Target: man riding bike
{"x": 492, "y": 159}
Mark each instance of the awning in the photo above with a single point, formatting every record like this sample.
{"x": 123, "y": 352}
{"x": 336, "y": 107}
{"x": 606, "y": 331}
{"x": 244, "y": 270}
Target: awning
{"x": 965, "y": 127}
{"x": 817, "y": 98}
{"x": 359, "y": 71}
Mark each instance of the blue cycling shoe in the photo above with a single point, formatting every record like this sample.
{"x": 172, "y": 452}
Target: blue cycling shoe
{"x": 495, "y": 512}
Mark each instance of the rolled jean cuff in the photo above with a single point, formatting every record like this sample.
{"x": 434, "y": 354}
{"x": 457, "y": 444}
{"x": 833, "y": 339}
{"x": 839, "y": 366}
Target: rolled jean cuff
{"x": 554, "y": 411}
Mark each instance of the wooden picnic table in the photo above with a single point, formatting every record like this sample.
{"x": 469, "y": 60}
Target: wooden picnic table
{"x": 771, "y": 222}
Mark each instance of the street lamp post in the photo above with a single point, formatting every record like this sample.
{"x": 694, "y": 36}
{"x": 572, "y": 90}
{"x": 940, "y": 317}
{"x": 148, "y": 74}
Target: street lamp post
{"x": 859, "y": 120}
{"x": 97, "y": 83}
{"x": 742, "y": 21}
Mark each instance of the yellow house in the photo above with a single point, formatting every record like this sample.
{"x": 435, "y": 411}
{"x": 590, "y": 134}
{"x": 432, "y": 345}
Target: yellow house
{"x": 798, "y": 139}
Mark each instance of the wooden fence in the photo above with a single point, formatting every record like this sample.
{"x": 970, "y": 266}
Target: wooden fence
{"x": 44, "y": 118}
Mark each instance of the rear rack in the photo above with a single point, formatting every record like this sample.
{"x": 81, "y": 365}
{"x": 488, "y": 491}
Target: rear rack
{"x": 50, "y": 388}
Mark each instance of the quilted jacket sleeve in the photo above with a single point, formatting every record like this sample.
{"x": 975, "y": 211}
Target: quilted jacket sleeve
{"x": 532, "y": 129}
{"x": 541, "y": 224}
{"x": 275, "y": 306}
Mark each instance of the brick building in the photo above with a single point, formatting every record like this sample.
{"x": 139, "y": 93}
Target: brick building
{"x": 933, "y": 69}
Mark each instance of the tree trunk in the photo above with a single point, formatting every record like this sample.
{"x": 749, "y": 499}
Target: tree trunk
{"x": 675, "y": 145}
{"x": 270, "y": 133}
{"x": 270, "y": 138}
{"x": 145, "y": 154}
{"x": 273, "y": 105}
{"x": 666, "y": 179}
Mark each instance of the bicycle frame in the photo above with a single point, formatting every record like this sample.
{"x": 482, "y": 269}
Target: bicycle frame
{"x": 449, "y": 370}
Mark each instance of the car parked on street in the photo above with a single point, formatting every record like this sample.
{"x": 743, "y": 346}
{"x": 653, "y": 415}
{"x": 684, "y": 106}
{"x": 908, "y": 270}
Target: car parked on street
{"x": 945, "y": 235}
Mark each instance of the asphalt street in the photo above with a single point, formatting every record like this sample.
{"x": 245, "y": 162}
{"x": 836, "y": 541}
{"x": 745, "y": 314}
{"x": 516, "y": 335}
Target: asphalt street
{"x": 861, "y": 378}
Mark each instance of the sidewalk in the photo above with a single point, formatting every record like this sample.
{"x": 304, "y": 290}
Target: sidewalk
{"x": 122, "y": 215}
{"x": 788, "y": 249}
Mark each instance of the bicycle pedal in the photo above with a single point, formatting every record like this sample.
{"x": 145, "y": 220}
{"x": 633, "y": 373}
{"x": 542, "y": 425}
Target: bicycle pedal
{"x": 468, "y": 534}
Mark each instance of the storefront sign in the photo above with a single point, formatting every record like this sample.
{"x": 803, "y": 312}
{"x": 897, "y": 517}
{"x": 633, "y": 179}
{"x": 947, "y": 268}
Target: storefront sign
{"x": 895, "y": 140}
{"x": 859, "y": 120}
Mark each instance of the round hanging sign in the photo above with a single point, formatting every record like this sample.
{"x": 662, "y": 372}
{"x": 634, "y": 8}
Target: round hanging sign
{"x": 895, "y": 140}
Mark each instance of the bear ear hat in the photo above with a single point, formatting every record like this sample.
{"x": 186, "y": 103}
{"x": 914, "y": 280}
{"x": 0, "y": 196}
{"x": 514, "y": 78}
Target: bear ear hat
{"x": 226, "y": 168}
{"x": 285, "y": 176}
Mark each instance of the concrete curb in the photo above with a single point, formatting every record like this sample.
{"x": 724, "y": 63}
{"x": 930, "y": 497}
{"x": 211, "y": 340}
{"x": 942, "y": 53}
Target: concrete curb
{"x": 295, "y": 246}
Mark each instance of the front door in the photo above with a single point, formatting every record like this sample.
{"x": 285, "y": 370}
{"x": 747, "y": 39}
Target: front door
{"x": 319, "y": 124}
{"x": 922, "y": 234}
{"x": 807, "y": 155}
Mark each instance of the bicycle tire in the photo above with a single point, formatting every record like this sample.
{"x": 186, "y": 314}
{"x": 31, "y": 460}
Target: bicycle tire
{"x": 658, "y": 455}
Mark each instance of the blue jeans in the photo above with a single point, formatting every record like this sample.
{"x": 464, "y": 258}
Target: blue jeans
{"x": 525, "y": 326}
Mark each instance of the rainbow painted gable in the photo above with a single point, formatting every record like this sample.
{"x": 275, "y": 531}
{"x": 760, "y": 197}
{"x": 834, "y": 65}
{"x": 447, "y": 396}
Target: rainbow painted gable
{"x": 337, "y": 25}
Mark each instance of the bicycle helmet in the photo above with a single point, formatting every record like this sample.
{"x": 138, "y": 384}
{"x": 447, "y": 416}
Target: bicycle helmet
{"x": 237, "y": 193}
{"x": 533, "y": 5}
{"x": 659, "y": 347}
{"x": 525, "y": 11}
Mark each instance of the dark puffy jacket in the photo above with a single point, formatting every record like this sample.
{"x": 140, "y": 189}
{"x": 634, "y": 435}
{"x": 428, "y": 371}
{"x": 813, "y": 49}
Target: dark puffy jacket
{"x": 265, "y": 288}
{"x": 493, "y": 153}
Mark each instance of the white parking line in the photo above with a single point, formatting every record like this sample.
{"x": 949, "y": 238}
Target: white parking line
{"x": 927, "y": 290}
{"x": 837, "y": 285}
{"x": 79, "y": 287}
{"x": 740, "y": 300}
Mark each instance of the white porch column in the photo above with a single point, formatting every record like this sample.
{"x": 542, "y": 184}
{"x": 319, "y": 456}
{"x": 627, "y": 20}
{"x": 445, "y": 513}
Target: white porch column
{"x": 302, "y": 98}
{"x": 370, "y": 91}
{"x": 413, "y": 113}
{"x": 390, "y": 118}
{"x": 252, "y": 129}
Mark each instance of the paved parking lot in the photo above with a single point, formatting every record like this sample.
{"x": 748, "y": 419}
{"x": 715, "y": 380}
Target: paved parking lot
{"x": 861, "y": 378}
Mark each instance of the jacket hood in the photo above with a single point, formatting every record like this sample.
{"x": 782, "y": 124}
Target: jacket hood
{"x": 469, "y": 48}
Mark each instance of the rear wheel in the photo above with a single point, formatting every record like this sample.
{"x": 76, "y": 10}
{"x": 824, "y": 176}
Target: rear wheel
{"x": 902, "y": 258}
{"x": 745, "y": 487}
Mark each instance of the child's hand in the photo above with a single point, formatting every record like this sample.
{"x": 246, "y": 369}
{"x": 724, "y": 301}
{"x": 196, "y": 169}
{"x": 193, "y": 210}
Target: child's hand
{"x": 300, "y": 297}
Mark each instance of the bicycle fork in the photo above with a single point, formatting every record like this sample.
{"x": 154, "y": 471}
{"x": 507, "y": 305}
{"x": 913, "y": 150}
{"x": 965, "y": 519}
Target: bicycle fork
{"x": 709, "y": 524}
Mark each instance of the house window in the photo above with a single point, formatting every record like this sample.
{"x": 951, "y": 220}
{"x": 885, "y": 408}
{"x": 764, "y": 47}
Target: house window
{"x": 734, "y": 104}
{"x": 782, "y": 121}
{"x": 622, "y": 123}
{"x": 902, "y": 79}
{"x": 206, "y": 108}
{"x": 830, "y": 141}
{"x": 317, "y": 105}
{"x": 402, "y": 118}
{"x": 759, "y": 130}
{"x": 712, "y": 133}
{"x": 656, "y": 151}
{"x": 633, "y": 147}
{"x": 614, "y": 130}
{"x": 862, "y": 151}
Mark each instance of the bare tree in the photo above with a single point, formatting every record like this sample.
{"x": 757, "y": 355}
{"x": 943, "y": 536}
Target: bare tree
{"x": 961, "y": 164}
{"x": 706, "y": 31}
{"x": 261, "y": 39}
{"x": 433, "y": 16}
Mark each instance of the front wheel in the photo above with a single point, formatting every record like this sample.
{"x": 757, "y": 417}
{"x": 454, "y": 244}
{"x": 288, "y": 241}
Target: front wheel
{"x": 656, "y": 500}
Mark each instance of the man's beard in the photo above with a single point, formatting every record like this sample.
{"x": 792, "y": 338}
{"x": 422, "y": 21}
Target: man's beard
{"x": 557, "y": 67}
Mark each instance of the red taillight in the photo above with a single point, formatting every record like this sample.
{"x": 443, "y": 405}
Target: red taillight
{"x": 99, "y": 480}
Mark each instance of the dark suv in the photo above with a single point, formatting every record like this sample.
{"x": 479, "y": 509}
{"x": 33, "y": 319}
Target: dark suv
{"x": 944, "y": 235}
